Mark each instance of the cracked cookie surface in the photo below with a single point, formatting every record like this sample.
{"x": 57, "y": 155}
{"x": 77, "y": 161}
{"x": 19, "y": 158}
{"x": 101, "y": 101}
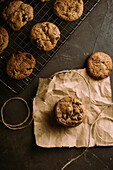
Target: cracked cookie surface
{"x": 20, "y": 65}
{"x": 17, "y": 14}
{"x": 4, "y": 39}
{"x": 99, "y": 65}
{"x": 68, "y": 10}
{"x": 45, "y": 35}
{"x": 70, "y": 112}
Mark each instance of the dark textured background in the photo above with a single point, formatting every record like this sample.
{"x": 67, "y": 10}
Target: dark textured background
{"x": 17, "y": 148}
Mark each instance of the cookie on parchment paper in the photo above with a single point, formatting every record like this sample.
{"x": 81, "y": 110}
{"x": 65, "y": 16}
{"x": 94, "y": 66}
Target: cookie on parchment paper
{"x": 70, "y": 112}
{"x": 45, "y": 35}
{"x": 17, "y": 14}
{"x": 20, "y": 65}
{"x": 68, "y": 10}
{"x": 99, "y": 65}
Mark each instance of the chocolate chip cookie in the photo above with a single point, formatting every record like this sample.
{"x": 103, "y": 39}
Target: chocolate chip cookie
{"x": 20, "y": 65}
{"x": 4, "y": 39}
{"x": 68, "y": 10}
{"x": 99, "y": 65}
{"x": 70, "y": 112}
{"x": 45, "y": 35}
{"x": 17, "y": 14}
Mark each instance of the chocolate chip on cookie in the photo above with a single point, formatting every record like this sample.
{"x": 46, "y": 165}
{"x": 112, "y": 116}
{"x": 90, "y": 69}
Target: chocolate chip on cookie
{"x": 45, "y": 35}
{"x": 68, "y": 10}
{"x": 70, "y": 112}
{"x": 99, "y": 65}
{"x": 4, "y": 39}
{"x": 20, "y": 65}
{"x": 17, "y": 14}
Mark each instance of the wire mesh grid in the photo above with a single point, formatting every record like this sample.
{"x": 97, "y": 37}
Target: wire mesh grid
{"x": 19, "y": 40}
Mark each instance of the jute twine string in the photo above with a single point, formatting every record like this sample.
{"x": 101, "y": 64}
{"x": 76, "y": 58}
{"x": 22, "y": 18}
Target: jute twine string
{"x": 99, "y": 117}
{"x": 19, "y": 125}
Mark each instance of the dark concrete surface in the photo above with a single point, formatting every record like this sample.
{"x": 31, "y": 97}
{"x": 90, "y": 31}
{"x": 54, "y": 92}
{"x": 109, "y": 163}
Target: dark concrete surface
{"x": 18, "y": 150}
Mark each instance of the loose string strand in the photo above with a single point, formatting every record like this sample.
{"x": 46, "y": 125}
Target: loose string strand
{"x": 74, "y": 159}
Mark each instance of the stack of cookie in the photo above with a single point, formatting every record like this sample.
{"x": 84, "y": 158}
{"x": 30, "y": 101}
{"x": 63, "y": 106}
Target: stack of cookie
{"x": 70, "y": 112}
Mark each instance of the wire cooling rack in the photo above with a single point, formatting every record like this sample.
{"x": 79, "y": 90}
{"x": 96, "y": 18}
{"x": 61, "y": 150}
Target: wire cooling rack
{"x": 19, "y": 40}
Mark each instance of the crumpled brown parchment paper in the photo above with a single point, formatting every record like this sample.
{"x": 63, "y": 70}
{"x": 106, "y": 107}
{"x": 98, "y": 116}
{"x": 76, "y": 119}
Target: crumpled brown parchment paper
{"x": 48, "y": 133}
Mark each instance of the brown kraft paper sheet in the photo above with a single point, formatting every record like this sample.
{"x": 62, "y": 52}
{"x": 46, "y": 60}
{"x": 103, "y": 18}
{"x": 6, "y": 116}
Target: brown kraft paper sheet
{"x": 48, "y": 133}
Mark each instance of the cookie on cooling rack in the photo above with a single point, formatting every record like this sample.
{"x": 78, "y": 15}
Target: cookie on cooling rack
{"x": 68, "y": 10}
{"x": 45, "y": 35}
{"x": 70, "y": 112}
{"x": 4, "y": 39}
{"x": 20, "y": 65}
{"x": 99, "y": 65}
{"x": 17, "y": 14}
